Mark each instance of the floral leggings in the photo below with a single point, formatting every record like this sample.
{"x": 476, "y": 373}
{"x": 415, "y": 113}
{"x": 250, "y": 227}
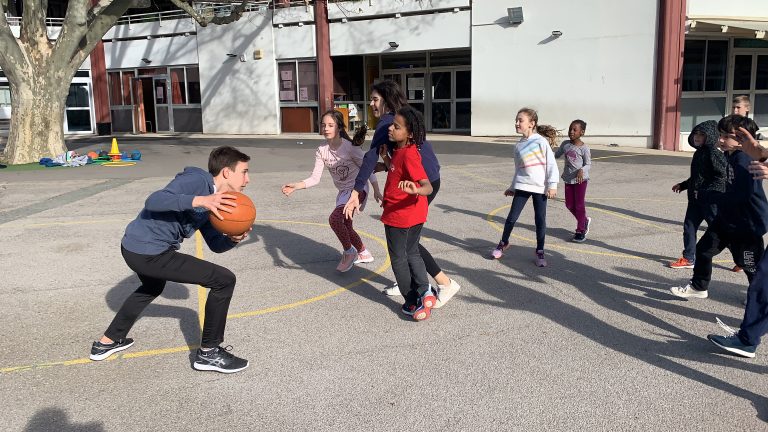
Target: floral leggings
{"x": 344, "y": 230}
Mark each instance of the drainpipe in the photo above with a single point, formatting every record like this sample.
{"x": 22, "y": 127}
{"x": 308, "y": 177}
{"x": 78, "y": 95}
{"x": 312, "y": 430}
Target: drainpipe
{"x": 324, "y": 63}
{"x": 669, "y": 71}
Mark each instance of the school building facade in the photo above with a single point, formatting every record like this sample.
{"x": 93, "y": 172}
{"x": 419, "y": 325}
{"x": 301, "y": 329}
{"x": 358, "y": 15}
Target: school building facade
{"x": 640, "y": 73}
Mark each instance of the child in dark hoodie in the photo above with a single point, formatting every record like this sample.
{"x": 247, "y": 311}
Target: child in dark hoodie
{"x": 742, "y": 214}
{"x": 708, "y": 167}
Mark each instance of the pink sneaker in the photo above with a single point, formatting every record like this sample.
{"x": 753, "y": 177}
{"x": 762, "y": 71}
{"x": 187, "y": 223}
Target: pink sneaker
{"x": 364, "y": 257}
{"x": 347, "y": 260}
{"x": 540, "y": 260}
{"x": 499, "y": 251}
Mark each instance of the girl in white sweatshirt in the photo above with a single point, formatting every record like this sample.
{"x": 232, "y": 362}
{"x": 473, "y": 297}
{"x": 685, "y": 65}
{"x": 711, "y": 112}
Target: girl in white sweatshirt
{"x": 536, "y": 177}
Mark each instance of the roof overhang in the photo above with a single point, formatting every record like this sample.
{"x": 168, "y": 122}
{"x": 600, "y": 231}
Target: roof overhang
{"x": 759, "y": 27}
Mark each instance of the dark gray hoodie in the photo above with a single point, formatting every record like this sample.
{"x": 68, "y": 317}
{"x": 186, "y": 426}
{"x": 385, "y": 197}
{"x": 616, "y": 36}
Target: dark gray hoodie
{"x": 708, "y": 165}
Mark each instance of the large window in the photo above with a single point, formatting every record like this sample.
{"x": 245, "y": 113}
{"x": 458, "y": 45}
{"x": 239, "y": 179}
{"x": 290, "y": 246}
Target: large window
{"x": 297, "y": 81}
{"x": 705, "y": 66}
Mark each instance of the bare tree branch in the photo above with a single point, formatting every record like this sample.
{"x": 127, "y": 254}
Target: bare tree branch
{"x": 33, "y": 31}
{"x": 103, "y": 17}
{"x": 10, "y": 51}
{"x": 75, "y": 25}
{"x": 235, "y": 14}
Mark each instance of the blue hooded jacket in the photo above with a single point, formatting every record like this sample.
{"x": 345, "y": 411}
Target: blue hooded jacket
{"x": 168, "y": 217}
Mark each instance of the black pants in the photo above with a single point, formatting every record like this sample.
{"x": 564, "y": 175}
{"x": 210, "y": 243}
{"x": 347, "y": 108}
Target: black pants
{"x": 539, "y": 211}
{"x": 407, "y": 263}
{"x": 747, "y": 250}
{"x": 696, "y": 212}
{"x": 432, "y": 268}
{"x": 155, "y": 270}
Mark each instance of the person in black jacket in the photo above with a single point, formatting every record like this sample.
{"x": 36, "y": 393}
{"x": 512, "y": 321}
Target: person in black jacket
{"x": 742, "y": 214}
{"x": 707, "y": 175}
{"x": 744, "y": 340}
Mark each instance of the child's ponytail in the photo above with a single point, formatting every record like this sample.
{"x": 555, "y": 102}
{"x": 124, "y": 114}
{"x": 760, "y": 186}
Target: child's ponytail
{"x": 359, "y": 138}
{"x": 548, "y": 132}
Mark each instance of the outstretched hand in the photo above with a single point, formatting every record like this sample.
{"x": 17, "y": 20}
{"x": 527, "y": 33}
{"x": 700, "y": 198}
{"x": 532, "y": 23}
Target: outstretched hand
{"x": 352, "y": 207}
{"x": 677, "y": 188}
{"x": 288, "y": 189}
{"x": 749, "y": 144}
{"x": 216, "y": 202}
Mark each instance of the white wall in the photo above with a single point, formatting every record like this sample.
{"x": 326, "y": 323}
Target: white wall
{"x": 748, "y": 9}
{"x": 600, "y": 70}
{"x": 357, "y": 9}
{"x": 239, "y": 97}
{"x": 295, "y": 42}
{"x": 172, "y": 26}
{"x": 166, "y": 51}
{"x": 412, "y": 33}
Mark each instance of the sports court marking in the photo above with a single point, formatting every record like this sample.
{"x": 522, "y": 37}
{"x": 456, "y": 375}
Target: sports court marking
{"x": 201, "y": 305}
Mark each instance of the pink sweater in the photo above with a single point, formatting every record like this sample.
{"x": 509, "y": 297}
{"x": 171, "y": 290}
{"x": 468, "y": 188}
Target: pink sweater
{"x": 343, "y": 164}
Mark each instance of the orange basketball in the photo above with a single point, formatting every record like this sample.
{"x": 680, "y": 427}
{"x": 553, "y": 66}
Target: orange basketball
{"x": 241, "y": 218}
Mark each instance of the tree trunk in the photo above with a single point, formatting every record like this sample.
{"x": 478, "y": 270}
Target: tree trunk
{"x": 37, "y": 120}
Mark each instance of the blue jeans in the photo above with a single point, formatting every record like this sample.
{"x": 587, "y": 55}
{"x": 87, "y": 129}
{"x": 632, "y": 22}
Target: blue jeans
{"x": 539, "y": 211}
{"x": 694, "y": 215}
{"x": 755, "y": 323}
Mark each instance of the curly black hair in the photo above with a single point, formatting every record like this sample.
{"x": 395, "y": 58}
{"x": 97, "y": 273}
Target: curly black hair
{"x": 414, "y": 122}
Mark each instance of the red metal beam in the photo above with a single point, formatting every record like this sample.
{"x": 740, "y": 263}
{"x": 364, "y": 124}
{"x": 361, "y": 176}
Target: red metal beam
{"x": 669, "y": 70}
{"x": 100, "y": 91}
{"x": 324, "y": 63}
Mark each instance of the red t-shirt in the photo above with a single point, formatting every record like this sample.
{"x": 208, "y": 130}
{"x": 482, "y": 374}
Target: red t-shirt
{"x": 402, "y": 210}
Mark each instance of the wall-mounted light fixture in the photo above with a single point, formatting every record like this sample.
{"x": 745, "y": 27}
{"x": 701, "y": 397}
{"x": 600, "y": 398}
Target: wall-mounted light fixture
{"x": 231, "y": 55}
{"x": 344, "y": 20}
{"x": 280, "y": 26}
{"x": 146, "y": 60}
{"x": 515, "y": 15}
{"x": 394, "y": 44}
{"x": 397, "y": 15}
{"x": 556, "y": 33}
{"x": 301, "y": 24}
{"x": 149, "y": 37}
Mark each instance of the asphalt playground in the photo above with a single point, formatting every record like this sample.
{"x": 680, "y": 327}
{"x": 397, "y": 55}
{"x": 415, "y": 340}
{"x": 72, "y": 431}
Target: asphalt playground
{"x": 594, "y": 341}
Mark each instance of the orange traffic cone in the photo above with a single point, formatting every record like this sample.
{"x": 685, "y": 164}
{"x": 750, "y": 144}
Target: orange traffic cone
{"x": 114, "y": 152}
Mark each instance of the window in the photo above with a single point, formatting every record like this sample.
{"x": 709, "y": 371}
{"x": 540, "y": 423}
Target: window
{"x": 5, "y": 95}
{"x": 193, "y": 85}
{"x": 704, "y": 65}
{"x": 115, "y": 91}
{"x": 178, "y": 86}
{"x": 297, "y": 81}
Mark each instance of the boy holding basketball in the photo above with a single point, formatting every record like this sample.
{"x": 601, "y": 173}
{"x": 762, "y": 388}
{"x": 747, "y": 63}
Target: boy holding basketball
{"x": 150, "y": 248}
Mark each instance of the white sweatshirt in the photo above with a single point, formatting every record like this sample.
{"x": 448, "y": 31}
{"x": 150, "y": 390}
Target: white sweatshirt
{"x": 535, "y": 165}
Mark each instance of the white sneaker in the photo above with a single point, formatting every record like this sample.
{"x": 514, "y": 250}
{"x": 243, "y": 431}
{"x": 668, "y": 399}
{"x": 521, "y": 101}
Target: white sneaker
{"x": 364, "y": 257}
{"x": 688, "y": 291}
{"x": 445, "y": 293}
{"x": 589, "y": 224}
{"x": 394, "y": 290}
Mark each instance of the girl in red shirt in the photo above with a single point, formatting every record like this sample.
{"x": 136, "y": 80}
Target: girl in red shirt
{"x": 405, "y": 211}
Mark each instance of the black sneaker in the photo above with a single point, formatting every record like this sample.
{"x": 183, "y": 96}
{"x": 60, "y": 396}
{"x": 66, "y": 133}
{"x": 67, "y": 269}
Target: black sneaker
{"x": 408, "y": 309}
{"x": 579, "y": 237}
{"x": 219, "y": 359}
{"x": 100, "y": 351}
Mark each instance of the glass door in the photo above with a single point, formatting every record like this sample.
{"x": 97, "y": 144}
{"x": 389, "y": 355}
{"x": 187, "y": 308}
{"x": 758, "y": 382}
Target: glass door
{"x": 451, "y": 96}
{"x": 163, "y": 115}
{"x": 77, "y": 114}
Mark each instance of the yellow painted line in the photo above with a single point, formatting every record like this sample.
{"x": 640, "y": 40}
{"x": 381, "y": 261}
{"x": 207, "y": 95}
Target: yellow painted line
{"x": 622, "y": 155}
{"x": 162, "y": 351}
{"x": 49, "y": 224}
{"x": 498, "y": 227}
{"x": 202, "y": 295}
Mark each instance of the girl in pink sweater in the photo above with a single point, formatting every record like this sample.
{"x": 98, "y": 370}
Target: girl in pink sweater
{"x": 342, "y": 156}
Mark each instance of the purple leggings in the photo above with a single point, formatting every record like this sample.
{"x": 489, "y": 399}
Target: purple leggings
{"x": 574, "y": 201}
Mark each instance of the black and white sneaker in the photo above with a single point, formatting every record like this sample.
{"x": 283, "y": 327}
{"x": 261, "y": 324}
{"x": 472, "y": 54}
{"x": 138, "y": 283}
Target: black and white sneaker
{"x": 219, "y": 359}
{"x": 100, "y": 351}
